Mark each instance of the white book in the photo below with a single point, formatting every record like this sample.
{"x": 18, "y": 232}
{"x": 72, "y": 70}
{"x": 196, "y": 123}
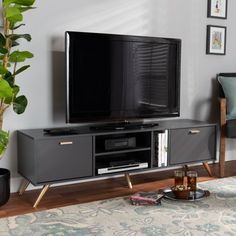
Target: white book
{"x": 166, "y": 147}
{"x": 159, "y": 149}
{"x": 162, "y": 149}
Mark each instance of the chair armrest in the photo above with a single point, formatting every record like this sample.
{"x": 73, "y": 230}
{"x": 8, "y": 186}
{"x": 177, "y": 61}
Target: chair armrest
{"x": 222, "y": 135}
{"x": 223, "y": 111}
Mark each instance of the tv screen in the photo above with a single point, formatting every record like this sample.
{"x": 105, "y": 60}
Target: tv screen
{"x": 119, "y": 77}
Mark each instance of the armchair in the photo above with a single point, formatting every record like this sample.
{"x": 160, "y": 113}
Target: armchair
{"x": 227, "y": 98}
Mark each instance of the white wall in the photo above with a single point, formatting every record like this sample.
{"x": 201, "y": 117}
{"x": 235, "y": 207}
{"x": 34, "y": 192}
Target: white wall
{"x": 43, "y": 84}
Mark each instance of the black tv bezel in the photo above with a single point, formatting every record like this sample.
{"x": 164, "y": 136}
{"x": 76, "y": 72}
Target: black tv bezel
{"x": 137, "y": 38}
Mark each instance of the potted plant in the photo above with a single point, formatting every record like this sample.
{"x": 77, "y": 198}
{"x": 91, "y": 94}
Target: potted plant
{"x": 10, "y": 58}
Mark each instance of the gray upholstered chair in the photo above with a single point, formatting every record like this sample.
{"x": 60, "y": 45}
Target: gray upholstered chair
{"x": 227, "y": 92}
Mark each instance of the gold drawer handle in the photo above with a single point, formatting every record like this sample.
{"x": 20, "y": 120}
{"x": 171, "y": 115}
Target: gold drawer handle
{"x": 194, "y": 131}
{"x": 66, "y": 143}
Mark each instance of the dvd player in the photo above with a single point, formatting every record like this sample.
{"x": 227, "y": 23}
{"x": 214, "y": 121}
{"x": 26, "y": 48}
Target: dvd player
{"x": 132, "y": 166}
{"x": 121, "y": 143}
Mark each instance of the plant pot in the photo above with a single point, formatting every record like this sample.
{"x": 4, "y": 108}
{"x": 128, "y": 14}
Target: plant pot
{"x": 4, "y": 186}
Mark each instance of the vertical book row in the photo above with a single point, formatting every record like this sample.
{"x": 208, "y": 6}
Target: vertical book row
{"x": 161, "y": 149}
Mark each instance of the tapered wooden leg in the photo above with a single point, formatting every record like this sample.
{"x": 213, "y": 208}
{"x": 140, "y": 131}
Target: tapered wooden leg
{"x": 24, "y": 184}
{"x": 208, "y": 169}
{"x": 128, "y": 180}
{"x": 43, "y": 191}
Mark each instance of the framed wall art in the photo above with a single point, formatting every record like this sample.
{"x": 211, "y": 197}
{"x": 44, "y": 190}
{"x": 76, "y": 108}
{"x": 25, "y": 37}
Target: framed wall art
{"x": 217, "y": 9}
{"x": 216, "y": 40}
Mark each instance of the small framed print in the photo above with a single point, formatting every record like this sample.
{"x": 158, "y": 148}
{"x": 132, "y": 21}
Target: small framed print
{"x": 217, "y": 9}
{"x": 216, "y": 40}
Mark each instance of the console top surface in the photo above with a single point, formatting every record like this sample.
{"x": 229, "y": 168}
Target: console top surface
{"x": 56, "y": 132}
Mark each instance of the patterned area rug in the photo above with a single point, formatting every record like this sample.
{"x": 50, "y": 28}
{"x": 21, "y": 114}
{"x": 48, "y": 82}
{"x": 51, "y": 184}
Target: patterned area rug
{"x": 214, "y": 215}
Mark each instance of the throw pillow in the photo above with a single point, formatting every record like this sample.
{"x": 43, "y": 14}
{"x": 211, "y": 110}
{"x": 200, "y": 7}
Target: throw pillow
{"x": 229, "y": 87}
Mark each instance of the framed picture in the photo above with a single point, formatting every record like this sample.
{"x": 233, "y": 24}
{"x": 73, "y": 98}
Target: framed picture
{"x": 217, "y": 9}
{"x": 216, "y": 40}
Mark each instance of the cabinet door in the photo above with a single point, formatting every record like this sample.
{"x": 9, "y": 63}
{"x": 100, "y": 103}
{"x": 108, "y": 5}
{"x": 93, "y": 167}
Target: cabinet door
{"x": 192, "y": 145}
{"x": 63, "y": 158}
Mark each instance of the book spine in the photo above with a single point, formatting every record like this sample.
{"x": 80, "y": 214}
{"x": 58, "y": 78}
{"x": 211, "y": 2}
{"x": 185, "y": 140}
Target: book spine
{"x": 159, "y": 149}
{"x": 144, "y": 203}
{"x": 137, "y": 198}
{"x": 166, "y": 148}
{"x": 162, "y": 158}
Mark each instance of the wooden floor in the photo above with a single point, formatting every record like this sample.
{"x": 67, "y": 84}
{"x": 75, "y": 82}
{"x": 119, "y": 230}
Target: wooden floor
{"x": 100, "y": 189}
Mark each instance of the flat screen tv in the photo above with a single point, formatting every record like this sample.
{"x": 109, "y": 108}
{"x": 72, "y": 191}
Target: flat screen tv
{"x": 121, "y": 77}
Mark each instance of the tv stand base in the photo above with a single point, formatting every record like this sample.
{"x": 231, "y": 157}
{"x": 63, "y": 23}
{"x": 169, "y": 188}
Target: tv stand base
{"x": 25, "y": 183}
{"x": 50, "y": 156}
{"x": 128, "y": 180}
{"x": 207, "y": 168}
{"x": 43, "y": 191}
{"x": 205, "y": 165}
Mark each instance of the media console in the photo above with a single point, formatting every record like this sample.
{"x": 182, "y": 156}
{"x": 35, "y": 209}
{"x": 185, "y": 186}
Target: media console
{"x": 46, "y": 157}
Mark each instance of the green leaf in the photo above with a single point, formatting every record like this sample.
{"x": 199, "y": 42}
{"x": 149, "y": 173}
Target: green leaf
{"x": 20, "y": 2}
{"x": 4, "y": 139}
{"x": 9, "y": 78}
{"x": 8, "y": 100}
{"x": 13, "y": 14}
{"x": 3, "y": 50}
{"x": 14, "y": 43}
{"x": 15, "y": 91}
{"x": 6, "y": 2}
{"x": 19, "y": 104}
{"x": 20, "y": 56}
{"x": 23, "y": 9}
{"x": 18, "y": 36}
{"x": 5, "y": 89}
{"x": 2, "y": 40}
{"x": 13, "y": 27}
{"x": 3, "y": 70}
{"x": 23, "y": 68}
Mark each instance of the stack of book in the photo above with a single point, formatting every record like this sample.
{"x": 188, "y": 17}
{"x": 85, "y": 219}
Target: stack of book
{"x": 146, "y": 198}
{"x": 161, "y": 148}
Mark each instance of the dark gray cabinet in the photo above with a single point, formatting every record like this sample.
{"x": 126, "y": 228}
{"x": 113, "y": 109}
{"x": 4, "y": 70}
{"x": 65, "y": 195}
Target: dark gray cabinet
{"x": 63, "y": 158}
{"x": 44, "y": 158}
{"x": 192, "y": 144}
{"x": 53, "y": 159}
